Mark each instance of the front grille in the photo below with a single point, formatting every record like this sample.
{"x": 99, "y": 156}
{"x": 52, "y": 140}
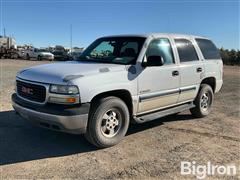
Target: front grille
{"x": 31, "y": 92}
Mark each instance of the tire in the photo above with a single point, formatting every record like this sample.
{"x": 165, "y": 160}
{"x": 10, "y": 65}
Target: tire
{"x": 15, "y": 56}
{"x": 39, "y": 58}
{"x": 108, "y": 122}
{"x": 27, "y": 57}
{"x": 203, "y": 102}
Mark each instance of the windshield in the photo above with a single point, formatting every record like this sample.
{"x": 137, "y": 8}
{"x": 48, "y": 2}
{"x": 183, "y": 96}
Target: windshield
{"x": 42, "y": 50}
{"x": 58, "y": 53}
{"x": 118, "y": 50}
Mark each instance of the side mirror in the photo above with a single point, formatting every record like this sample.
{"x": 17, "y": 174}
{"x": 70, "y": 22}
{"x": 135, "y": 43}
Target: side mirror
{"x": 153, "y": 61}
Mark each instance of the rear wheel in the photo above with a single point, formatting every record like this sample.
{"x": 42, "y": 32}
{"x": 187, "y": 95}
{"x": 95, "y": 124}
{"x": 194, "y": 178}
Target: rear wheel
{"x": 39, "y": 58}
{"x": 27, "y": 57}
{"x": 108, "y": 122}
{"x": 15, "y": 56}
{"x": 203, "y": 101}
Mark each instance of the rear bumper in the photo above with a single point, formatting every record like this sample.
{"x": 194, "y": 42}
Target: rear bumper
{"x": 219, "y": 84}
{"x": 61, "y": 118}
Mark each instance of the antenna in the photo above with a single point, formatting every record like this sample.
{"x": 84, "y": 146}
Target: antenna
{"x": 4, "y": 32}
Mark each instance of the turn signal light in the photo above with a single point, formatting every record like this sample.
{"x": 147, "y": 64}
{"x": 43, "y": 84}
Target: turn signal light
{"x": 71, "y": 100}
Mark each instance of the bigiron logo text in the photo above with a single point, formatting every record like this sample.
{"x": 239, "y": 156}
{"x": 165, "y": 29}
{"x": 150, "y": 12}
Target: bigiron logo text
{"x": 209, "y": 169}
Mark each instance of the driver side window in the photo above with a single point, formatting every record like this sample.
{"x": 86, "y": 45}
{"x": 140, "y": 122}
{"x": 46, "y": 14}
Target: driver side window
{"x": 161, "y": 47}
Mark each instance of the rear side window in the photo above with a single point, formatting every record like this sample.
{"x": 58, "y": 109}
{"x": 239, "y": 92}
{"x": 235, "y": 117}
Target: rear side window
{"x": 208, "y": 49}
{"x": 186, "y": 50}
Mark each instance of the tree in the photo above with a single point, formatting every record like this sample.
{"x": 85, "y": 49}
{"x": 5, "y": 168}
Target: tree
{"x": 231, "y": 57}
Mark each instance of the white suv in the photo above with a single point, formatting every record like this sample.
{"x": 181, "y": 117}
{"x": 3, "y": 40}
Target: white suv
{"x": 38, "y": 54}
{"x": 118, "y": 80}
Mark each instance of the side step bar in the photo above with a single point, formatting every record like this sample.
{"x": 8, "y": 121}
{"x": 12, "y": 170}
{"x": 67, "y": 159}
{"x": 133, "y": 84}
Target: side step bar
{"x": 162, "y": 113}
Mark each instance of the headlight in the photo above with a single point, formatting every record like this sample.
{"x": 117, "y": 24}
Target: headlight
{"x": 64, "y": 89}
{"x": 64, "y": 94}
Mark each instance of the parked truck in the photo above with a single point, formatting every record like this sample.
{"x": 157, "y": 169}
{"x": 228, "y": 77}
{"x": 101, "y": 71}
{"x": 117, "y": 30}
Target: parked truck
{"x": 8, "y": 48}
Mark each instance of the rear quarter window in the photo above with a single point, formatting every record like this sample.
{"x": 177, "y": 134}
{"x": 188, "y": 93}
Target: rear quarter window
{"x": 209, "y": 50}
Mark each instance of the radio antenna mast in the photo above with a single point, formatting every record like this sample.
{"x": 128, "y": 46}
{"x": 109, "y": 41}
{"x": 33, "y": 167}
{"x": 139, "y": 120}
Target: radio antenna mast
{"x": 71, "y": 38}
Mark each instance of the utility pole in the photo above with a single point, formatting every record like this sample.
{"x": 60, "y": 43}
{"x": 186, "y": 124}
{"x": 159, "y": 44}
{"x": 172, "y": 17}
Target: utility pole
{"x": 71, "y": 38}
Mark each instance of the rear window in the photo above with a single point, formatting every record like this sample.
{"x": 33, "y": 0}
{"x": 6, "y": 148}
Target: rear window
{"x": 209, "y": 50}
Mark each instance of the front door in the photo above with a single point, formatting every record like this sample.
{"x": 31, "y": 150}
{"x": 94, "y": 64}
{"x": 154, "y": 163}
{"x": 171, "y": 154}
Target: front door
{"x": 158, "y": 85}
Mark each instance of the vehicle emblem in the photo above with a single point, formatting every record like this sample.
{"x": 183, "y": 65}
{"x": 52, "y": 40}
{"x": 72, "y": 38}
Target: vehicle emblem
{"x": 27, "y": 90}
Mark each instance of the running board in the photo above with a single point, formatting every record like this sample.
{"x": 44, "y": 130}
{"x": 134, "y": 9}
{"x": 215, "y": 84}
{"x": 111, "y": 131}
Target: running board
{"x": 162, "y": 113}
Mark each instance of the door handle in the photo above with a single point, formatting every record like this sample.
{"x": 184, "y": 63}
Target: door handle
{"x": 199, "y": 69}
{"x": 175, "y": 73}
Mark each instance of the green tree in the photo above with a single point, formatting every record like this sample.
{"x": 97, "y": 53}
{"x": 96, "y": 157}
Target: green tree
{"x": 231, "y": 57}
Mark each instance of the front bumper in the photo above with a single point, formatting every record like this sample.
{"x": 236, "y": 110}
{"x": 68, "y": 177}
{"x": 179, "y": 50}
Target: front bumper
{"x": 56, "y": 117}
{"x": 60, "y": 58}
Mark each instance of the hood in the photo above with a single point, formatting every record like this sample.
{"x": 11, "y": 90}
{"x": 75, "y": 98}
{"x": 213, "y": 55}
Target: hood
{"x": 46, "y": 53}
{"x": 61, "y": 73}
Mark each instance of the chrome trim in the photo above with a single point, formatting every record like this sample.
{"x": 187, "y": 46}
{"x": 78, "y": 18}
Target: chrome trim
{"x": 36, "y": 83}
{"x": 191, "y": 88}
{"x": 149, "y": 96}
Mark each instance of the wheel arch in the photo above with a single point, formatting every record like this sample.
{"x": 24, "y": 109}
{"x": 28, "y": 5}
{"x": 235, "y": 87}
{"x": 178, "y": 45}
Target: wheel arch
{"x": 123, "y": 94}
{"x": 211, "y": 81}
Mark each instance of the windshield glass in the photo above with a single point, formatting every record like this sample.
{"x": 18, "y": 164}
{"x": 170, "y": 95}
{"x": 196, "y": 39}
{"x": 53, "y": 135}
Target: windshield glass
{"x": 58, "y": 52}
{"x": 118, "y": 50}
{"x": 42, "y": 50}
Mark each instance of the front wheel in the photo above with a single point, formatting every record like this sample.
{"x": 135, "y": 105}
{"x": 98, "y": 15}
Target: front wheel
{"x": 108, "y": 122}
{"x": 39, "y": 58}
{"x": 203, "y": 102}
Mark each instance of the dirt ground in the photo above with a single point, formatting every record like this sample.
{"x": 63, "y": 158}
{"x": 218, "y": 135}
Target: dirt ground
{"x": 152, "y": 150}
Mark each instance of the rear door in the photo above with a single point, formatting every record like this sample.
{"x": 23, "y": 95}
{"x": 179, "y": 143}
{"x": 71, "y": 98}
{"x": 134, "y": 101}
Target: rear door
{"x": 191, "y": 69}
{"x": 212, "y": 60}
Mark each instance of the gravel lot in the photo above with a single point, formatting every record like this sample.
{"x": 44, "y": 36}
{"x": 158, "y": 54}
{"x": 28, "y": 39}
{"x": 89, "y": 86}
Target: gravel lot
{"x": 152, "y": 150}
